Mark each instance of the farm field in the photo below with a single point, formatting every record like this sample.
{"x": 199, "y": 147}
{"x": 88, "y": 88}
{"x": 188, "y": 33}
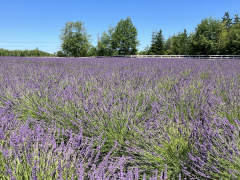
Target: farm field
{"x": 119, "y": 118}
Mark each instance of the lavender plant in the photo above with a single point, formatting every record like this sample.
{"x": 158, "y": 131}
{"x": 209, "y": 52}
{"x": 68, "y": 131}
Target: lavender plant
{"x": 171, "y": 118}
{"x": 34, "y": 154}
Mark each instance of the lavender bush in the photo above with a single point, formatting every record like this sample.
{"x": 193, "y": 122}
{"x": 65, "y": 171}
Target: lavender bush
{"x": 119, "y": 118}
{"x": 35, "y": 154}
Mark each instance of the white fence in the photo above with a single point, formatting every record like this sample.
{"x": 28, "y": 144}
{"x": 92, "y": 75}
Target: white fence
{"x": 161, "y": 56}
{"x": 177, "y": 56}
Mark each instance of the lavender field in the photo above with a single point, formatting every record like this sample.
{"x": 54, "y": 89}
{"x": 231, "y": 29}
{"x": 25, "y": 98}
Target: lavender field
{"x": 119, "y": 118}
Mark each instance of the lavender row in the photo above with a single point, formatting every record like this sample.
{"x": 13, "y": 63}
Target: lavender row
{"x": 175, "y": 116}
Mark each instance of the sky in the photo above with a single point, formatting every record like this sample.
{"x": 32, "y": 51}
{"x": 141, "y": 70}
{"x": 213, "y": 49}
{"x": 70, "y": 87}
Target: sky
{"x": 28, "y": 24}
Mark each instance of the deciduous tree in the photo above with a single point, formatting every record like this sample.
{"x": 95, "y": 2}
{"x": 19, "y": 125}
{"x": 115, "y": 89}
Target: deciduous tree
{"x": 105, "y": 43}
{"x": 124, "y": 37}
{"x": 222, "y": 39}
{"x": 92, "y": 51}
{"x": 206, "y": 36}
{"x": 234, "y": 40}
{"x": 75, "y": 40}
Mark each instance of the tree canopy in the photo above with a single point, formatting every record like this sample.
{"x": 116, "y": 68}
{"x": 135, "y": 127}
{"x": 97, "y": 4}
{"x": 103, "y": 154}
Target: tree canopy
{"x": 26, "y": 53}
{"x": 211, "y": 36}
{"x": 124, "y": 37}
{"x": 105, "y": 43}
{"x": 233, "y": 45}
{"x": 75, "y": 40}
{"x": 205, "y": 37}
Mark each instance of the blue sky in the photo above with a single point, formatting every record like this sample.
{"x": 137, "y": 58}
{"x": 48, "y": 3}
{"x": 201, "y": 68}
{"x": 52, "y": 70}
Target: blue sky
{"x": 40, "y": 21}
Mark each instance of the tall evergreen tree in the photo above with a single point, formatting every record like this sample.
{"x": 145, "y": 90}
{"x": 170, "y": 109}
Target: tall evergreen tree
{"x": 227, "y": 19}
{"x": 176, "y": 45}
{"x": 157, "y": 43}
{"x": 168, "y": 45}
{"x": 184, "y": 42}
{"x": 236, "y": 19}
{"x": 152, "y": 45}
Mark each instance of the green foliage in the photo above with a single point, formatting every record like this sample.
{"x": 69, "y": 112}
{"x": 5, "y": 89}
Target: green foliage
{"x": 226, "y": 18}
{"x": 205, "y": 37}
{"x": 178, "y": 44}
{"x": 168, "y": 46}
{"x": 75, "y": 40}
{"x": 223, "y": 39}
{"x": 233, "y": 45}
{"x": 26, "y": 53}
{"x": 124, "y": 37}
{"x": 60, "y": 54}
{"x": 210, "y": 37}
{"x": 105, "y": 43}
{"x": 161, "y": 149}
{"x": 92, "y": 51}
{"x": 216, "y": 37}
{"x": 236, "y": 19}
{"x": 176, "y": 47}
{"x": 157, "y": 45}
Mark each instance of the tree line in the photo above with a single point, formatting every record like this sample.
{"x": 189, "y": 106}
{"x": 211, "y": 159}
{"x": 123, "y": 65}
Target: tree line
{"x": 26, "y": 53}
{"x": 211, "y": 37}
{"x": 118, "y": 40}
